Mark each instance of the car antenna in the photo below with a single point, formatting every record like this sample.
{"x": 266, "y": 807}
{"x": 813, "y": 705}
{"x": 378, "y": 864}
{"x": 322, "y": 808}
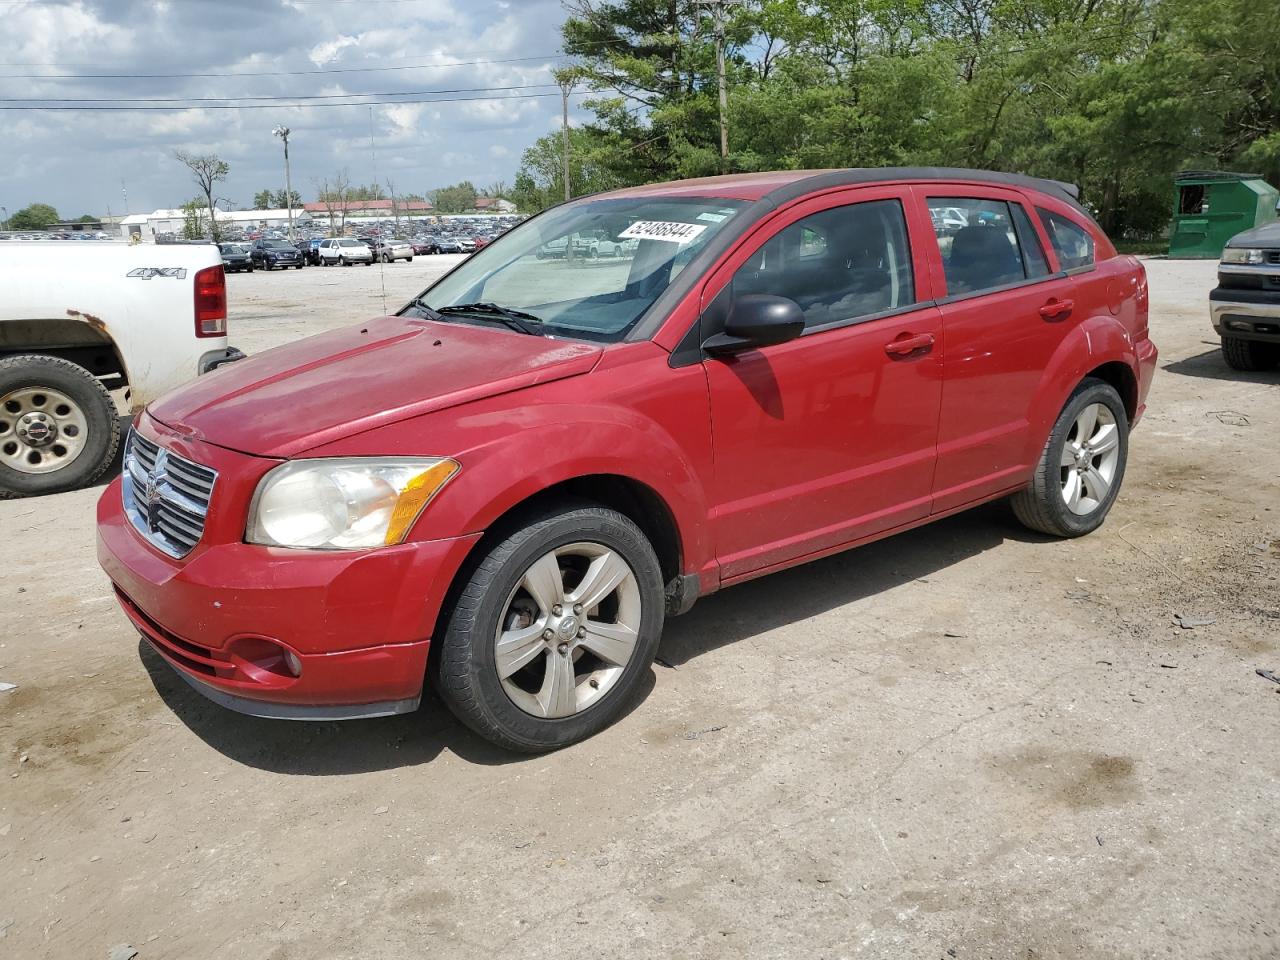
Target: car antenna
{"x": 373, "y": 152}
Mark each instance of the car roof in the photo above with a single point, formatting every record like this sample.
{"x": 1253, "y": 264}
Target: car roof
{"x": 785, "y": 185}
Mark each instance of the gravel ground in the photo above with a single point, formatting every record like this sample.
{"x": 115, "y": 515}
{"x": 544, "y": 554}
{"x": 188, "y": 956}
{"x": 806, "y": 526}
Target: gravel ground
{"x": 964, "y": 742}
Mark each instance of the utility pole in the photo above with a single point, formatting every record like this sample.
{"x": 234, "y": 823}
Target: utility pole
{"x": 566, "y": 87}
{"x": 283, "y": 133}
{"x": 717, "y": 11}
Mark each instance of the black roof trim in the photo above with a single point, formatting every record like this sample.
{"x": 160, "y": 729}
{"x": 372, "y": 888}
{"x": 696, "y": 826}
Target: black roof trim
{"x": 1067, "y": 192}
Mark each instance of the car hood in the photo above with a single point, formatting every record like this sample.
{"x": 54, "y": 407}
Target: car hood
{"x": 1267, "y": 235}
{"x": 288, "y": 400}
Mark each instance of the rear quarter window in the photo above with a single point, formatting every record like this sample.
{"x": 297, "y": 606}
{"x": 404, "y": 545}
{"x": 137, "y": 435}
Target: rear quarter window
{"x": 1071, "y": 242}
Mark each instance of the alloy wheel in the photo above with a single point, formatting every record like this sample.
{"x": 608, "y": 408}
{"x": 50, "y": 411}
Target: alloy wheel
{"x": 568, "y": 630}
{"x": 1089, "y": 459}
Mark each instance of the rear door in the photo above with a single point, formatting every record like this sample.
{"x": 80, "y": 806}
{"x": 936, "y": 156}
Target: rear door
{"x": 1004, "y": 313}
{"x": 830, "y": 437}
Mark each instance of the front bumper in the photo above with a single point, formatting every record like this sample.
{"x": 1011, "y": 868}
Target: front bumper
{"x": 1248, "y": 314}
{"x": 227, "y": 616}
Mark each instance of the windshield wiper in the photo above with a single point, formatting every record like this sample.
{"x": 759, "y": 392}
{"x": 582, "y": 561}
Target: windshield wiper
{"x": 515, "y": 319}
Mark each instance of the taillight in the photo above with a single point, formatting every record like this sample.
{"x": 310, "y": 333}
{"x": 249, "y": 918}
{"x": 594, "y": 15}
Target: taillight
{"x": 211, "y": 302}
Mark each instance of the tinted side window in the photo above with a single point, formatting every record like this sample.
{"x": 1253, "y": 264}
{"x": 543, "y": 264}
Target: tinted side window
{"x": 1071, "y": 242}
{"x": 840, "y": 264}
{"x": 978, "y": 243}
{"x": 1033, "y": 258}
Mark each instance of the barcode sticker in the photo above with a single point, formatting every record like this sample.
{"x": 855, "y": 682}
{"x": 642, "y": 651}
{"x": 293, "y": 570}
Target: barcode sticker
{"x": 669, "y": 231}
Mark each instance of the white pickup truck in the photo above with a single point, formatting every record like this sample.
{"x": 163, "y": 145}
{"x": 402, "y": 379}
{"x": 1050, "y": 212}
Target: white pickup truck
{"x": 81, "y": 321}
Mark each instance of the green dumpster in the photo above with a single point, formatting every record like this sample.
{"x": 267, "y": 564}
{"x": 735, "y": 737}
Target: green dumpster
{"x": 1210, "y": 207}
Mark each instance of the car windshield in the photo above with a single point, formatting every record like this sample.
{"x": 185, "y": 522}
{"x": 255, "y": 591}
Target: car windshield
{"x": 350, "y": 243}
{"x": 231, "y": 248}
{"x": 277, "y": 245}
{"x": 588, "y": 270}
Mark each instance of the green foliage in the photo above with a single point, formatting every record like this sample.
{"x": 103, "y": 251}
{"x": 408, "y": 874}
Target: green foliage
{"x": 86, "y": 218}
{"x": 458, "y": 198}
{"x": 207, "y": 170}
{"x": 35, "y": 217}
{"x": 195, "y": 223}
{"x": 262, "y": 200}
{"x": 1115, "y": 95}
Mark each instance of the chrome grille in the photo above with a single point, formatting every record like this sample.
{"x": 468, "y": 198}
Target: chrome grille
{"x": 166, "y": 496}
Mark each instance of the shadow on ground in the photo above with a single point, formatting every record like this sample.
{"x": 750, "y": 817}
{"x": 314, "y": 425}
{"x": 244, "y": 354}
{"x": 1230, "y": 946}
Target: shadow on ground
{"x": 738, "y": 613}
{"x": 1210, "y": 365}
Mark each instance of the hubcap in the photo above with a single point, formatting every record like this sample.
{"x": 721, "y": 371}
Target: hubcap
{"x": 1089, "y": 459}
{"x": 568, "y": 630}
{"x": 41, "y": 430}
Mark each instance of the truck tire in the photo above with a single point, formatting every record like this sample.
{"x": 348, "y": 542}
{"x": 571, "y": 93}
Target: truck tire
{"x": 525, "y": 665}
{"x": 1249, "y": 355}
{"x": 58, "y": 426}
{"x": 1081, "y": 467}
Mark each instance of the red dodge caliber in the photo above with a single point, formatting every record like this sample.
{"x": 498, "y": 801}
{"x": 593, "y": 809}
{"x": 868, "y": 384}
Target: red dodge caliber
{"x": 626, "y": 403}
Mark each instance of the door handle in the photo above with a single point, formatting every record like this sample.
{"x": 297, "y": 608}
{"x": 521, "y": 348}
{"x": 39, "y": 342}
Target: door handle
{"x": 906, "y": 344}
{"x": 1057, "y": 308}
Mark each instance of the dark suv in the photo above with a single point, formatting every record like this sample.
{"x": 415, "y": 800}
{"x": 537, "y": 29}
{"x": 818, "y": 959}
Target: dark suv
{"x": 269, "y": 254}
{"x": 1245, "y": 306}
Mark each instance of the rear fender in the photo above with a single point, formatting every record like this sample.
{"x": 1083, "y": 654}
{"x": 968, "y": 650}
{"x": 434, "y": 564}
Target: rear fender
{"x": 1098, "y": 340}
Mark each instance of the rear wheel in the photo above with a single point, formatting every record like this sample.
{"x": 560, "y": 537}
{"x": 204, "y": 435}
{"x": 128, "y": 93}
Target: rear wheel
{"x": 58, "y": 426}
{"x": 1082, "y": 466}
{"x": 1249, "y": 355}
{"x": 551, "y": 636}
{"x": 344, "y": 262}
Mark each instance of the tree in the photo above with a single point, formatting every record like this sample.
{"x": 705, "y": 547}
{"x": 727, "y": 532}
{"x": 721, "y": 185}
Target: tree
{"x": 87, "y": 218}
{"x": 335, "y": 193}
{"x": 194, "y": 224}
{"x": 458, "y": 198}
{"x": 262, "y": 200}
{"x": 280, "y": 199}
{"x": 207, "y": 170}
{"x": 1115, "y": 95}
{"x": 35, "y": 217}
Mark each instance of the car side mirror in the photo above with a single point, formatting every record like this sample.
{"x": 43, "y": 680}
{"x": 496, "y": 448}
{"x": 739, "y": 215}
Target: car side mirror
{"x": 757, "y": 320}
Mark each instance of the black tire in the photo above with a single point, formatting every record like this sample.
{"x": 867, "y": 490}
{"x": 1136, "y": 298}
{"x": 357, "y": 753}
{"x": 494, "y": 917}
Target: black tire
{"x": 298, "y": 267}
{"x": 1250, "y": 355}
{"x": 100, "y": 415}
{"x": 465, "y": 671}
{"x": 1041, "y": 506}
{"x": 408, "y": 259}
{"x": 343, "y": 261}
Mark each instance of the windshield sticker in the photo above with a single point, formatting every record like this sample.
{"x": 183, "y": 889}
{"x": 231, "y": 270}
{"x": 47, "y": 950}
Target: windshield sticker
{"x": 712, "y": 217}
{"x": 669, "y": 231}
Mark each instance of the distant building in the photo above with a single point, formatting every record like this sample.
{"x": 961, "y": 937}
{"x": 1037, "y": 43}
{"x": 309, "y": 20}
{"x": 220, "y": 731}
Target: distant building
{"x": 494, "y": 205}
{"x": 147, "y": 226}
{"x": 377, "y": 209}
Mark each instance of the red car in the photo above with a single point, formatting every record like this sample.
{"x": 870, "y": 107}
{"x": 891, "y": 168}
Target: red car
{"x": 510, "y": 484}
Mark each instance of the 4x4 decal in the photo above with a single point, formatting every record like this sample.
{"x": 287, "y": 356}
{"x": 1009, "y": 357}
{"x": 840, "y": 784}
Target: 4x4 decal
{"x": 146, "y": 273}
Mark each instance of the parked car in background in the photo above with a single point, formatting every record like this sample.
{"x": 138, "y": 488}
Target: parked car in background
{"x": 423, "y": 246}
{"x": 1245, "y": 306}
{"x": 388, "y": 251}
{"x": 235, "y": 258}
{"x": 90, "y": 330}
{"x": 520, "y": 469}
{"x": 344, "y": 251}
{"x": 449, "y": 245}
{"x": 270, "y": 254}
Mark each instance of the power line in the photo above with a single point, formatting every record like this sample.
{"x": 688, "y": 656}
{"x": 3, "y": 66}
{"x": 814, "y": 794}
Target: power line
{"x": 37, "y": 101}
{"x": 276, "y": 106}
{"x": 268, "y": 73}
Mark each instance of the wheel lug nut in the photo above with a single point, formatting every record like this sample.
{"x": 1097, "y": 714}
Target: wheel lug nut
{"x": 582, "y": 632}
{"x": 557, "y": 609}
{"x": 577, "y": 608}
{"x": 563, "y": 648}
{"x": 548, "y": 634}
{"x": 595, "y": 684}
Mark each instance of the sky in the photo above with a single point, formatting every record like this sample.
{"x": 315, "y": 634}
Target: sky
{"x": 85, "y": 161}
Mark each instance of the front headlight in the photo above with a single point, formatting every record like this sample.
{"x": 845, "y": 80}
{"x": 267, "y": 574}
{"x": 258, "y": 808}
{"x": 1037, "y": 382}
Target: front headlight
{"x": 1241, "y": 255}
{"x": 348, "y": 504}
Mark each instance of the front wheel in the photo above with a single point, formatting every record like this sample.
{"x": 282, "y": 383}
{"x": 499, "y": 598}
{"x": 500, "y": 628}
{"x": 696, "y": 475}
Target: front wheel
{"x": 408, "y": 259}
{"x": 1249, "y": 355}
{"x": 551, "y": 637}
{"x": 58, "y": 426}
{"x": 343, "y": 261}
{"x": 1082, "y": 465}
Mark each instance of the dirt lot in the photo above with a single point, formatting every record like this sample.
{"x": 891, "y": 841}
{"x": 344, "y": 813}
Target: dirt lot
{"x": 965, "y": 742}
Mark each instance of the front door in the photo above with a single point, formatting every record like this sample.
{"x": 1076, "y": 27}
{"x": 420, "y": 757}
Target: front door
{"x": 831, "y": 437}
